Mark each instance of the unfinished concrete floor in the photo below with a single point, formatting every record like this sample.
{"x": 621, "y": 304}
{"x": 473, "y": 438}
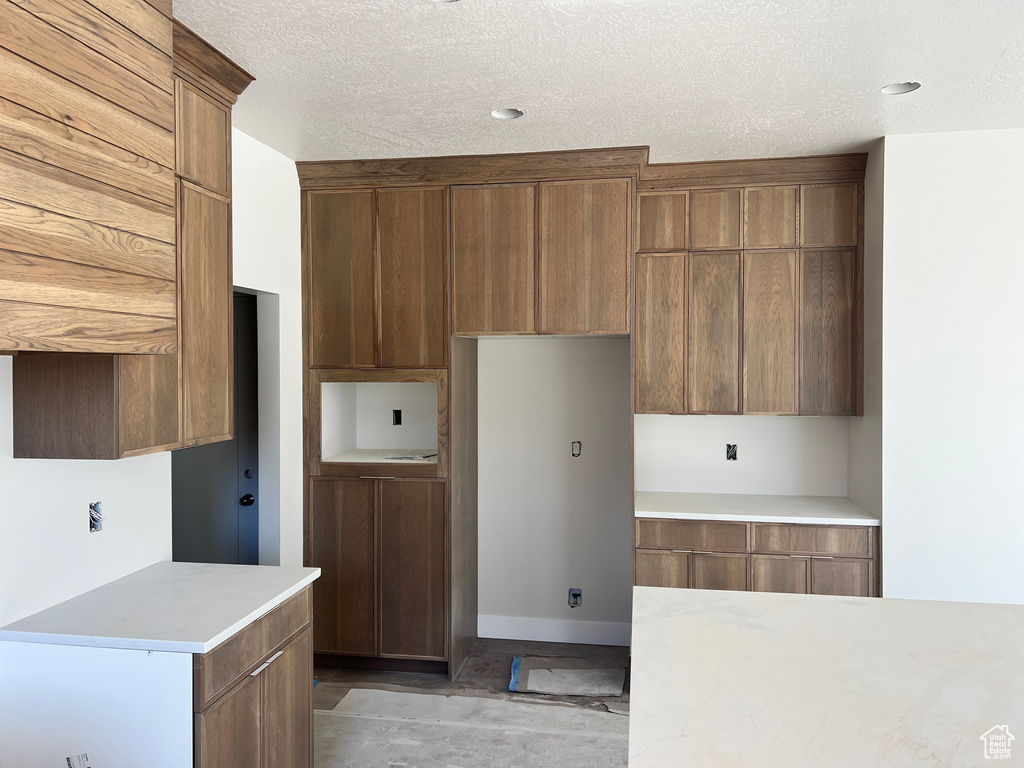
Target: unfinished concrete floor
{"x": 409, "y": 720}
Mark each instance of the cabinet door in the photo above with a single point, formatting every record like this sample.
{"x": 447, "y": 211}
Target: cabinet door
{"x": 206, "y": 347}
{"x": 829, "y": 214}
{"x": 769, "y": 332}
{"x": 585, "y": 244}
{"x": 339, "y": 281}
{"x": 774, "y": 573}
{"x": 662, "y": 569}
{"x": 202, "y": 139}
{"x": 148, "y": 392}
{"x": 661, "y": 334}
{"x": 826, "y": 332}
{"x": 663, "y": 222}
{"x": 716, "y": 219}
{"x": 412, "y": 568}
{"x": 711, "y": 570}
{"x": 494, "y": 244}
{"x": 411, "y": 236}
{"x": 228, "y": 732}
{"x": 714, "y": 337}
{"x": 841, "y": 577}
{"x": 288, "y": 706}
{"x": 341, "y": 543}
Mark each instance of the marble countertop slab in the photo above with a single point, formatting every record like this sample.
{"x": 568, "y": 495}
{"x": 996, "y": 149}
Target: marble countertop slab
{"x": 181, "y": 607}
{"x": 754, "y": 679}
{"x": 810, "y": 510}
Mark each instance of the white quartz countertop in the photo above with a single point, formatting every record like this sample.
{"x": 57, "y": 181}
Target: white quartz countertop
{"x": 385, "y": 456}
{"x": 811, "y": 510}
{"x": 183, "y": 607}
{"x": 763, "y": 679}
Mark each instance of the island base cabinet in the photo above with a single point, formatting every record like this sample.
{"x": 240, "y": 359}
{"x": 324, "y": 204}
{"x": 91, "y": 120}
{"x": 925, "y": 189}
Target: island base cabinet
{"x": 265, "y": 721}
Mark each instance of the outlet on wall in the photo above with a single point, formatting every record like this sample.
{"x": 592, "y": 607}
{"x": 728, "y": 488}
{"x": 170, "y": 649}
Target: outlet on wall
{"x": 95, "y": 517}
{"x": 575, "y": 597}
{"x": 730, "y": 451}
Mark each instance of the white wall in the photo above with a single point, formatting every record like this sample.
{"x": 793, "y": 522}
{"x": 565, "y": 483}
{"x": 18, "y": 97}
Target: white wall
{"x": 776, "y": 455}
{"x": 548, "y": 521}
{"x": 865, "y": 473}
{"x": 953, "y": 367}
{"x": 47, "y": 554}
{"x": 267, "y": 261}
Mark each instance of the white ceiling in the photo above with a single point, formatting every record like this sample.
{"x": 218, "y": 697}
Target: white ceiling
{"x": 694, "y": 79}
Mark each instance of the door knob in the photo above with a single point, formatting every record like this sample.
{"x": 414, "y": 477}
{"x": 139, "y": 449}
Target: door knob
{"x": 248, "y": 500}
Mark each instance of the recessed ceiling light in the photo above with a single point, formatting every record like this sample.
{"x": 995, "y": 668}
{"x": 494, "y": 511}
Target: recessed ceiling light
{"x": 895, "y": 89}
{"x": 506, "y": 114}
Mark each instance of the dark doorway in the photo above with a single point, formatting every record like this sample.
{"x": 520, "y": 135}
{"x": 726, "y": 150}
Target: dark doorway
{"x": 215, "y": 488}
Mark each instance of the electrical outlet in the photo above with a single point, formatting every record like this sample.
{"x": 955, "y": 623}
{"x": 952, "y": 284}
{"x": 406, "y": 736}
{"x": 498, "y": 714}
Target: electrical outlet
{"x": 577, "y": 448}
{"x": 730, "y": 452}
{"x": 396, "y": 417}
{"x": 575, "y": 597}
{"x": 95, "y": 517}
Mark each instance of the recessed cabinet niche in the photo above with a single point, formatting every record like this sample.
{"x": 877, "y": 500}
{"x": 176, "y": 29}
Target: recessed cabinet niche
{"x": 375, "y": 278}
{"x": 765, "y": 315}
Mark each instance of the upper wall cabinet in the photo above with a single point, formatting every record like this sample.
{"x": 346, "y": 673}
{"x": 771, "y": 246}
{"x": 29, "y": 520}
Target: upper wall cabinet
{"x": 375, "y": 278}
{"x": 87, "y": 226}
{"x": 203, "y": 139}
{"x": 494, "y": 258}
{"x": 340, "y": 289}
{"x": 70, "y": 406}
{"x": 767, "y": 318}
{"x": 411, "y": 235}
{"x": 585, "y": 245}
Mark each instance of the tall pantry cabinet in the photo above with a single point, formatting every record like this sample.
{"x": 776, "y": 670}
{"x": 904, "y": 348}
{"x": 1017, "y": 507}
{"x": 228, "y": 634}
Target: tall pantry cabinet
{"x": 405, "y": 263}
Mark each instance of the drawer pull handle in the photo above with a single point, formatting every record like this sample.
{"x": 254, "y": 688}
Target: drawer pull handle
{"x": 803, "y": 557}
{"x": 820, "y": 557}
{"x": 265, "y": 664}
{"x": 682, "y": 551}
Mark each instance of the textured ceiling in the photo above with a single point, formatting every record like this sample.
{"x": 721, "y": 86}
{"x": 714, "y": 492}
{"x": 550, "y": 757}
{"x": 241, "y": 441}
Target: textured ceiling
{"x": 694, "y": 79}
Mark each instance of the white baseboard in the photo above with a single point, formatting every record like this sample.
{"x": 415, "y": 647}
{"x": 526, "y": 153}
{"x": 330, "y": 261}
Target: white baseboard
{"x": 554, "y": 630}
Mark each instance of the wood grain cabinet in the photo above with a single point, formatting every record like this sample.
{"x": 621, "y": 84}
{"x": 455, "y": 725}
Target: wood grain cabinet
{"x": 71, "y": 406}
{"x": 87, "y": 170}
{"x": 763, "y": 557}
{"x": 254, "y": 694}
{"x": 381, "y": 546}
{"x": 661, "y": 341}
{"x": 494, "y": 232}
{"x": 585, "y": 247}
{"x": 768, "y": 306}
{"x": 770, "y": 332}
{"x": 374, "y": 276}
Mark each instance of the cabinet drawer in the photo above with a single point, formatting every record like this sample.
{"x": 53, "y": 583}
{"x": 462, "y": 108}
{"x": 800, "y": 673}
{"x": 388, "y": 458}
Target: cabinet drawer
{"x": 840, "y": 540}
{"x": 237, "y": 656}
{"x": 285, "y": 620}
{"x": 691, "y": 535}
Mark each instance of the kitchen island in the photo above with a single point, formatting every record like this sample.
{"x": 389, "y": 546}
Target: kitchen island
{"x": 762, "y": 679}
{"x": 178, "y": 662}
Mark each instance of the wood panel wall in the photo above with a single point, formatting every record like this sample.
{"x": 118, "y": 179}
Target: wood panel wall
{"x": 87, "y": 222}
